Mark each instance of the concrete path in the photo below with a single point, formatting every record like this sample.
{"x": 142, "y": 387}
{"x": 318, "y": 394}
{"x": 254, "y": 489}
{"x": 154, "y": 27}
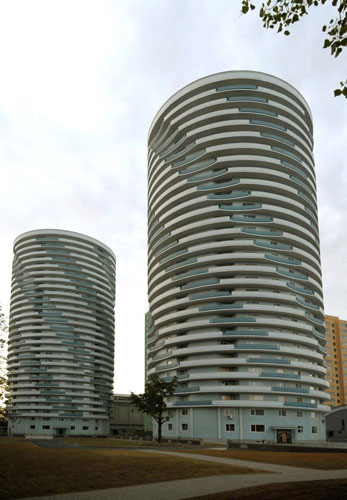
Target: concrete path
{"x": 190, "y": 488}
{"x": 53, "y": 443}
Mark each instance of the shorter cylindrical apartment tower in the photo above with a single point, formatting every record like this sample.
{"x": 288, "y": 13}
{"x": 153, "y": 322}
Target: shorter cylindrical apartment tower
{"x": 234, "y": 277}
{"x": 61, "y": 334}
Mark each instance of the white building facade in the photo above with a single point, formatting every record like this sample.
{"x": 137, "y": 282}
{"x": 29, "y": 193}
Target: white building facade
{"x": 234, "y": 277}
{"x": 61, "y": 334}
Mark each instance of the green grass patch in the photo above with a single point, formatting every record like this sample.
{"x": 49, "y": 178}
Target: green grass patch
{"x": 28, "y": 470}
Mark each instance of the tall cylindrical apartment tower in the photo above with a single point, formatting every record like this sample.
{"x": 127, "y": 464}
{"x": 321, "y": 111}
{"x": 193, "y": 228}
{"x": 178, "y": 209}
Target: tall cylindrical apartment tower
{"x": 234, "y": 277}
{"x": 61, "y": 335}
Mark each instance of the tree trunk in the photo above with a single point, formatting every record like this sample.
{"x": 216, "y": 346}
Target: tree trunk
{"x": 160, "y": 423}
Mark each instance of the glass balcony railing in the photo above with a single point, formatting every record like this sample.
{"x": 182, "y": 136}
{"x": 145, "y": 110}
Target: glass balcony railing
{"x": 248, "y": 206}
{"x": 290, "y": 389}
{"x": 220, "y": 307}
{"x": 272, "y": 244}
{"x": 237, "y": 86}
{"x": 193, "y": 272}
{"x": 269, "y": 360}
{"x": 198, "y": 166}
{"x": 298, "y": 288}
{"x": 210, "y": 281}
{"x": 257, "y": 110}
{"x": 247, "y": 98}
{"x": 192, "y": 403}
{"x": 291, "y": 274}
{"x": 280, "y": 375}
{"x": 214, "y": 293}
{"x": 253, "y": 218}
{"x": 301, "y": 405}
{"x": 267, "y": 124}
{"x": 188, "y": 158}
{"x": 187, "y": 389}
{"x": 227, "y": 196}
{"x": 207, "y": 175}
{"x": 254, "y": 347}
{"x": 260, "y": 333}
{"x": 215, "y": 185}
{"x": 241, "y": 319}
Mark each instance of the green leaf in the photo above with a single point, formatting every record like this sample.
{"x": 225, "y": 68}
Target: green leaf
{"x": 337, "y": 92}
{"x": 286, "y": 32}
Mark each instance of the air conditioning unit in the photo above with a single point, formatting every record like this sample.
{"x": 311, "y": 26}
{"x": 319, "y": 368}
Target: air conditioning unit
{"x": 229, "y": 416}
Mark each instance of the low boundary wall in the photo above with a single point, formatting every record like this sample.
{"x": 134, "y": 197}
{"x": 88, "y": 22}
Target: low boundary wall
{"x": 284, "y": 447}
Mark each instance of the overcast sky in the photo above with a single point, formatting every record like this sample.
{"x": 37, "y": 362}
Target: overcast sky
{"x": 80, "y": 82}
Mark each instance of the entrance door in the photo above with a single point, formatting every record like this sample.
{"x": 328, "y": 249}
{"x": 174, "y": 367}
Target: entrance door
{"x": 284, "y": 436}
{"x": 60, "y": 431}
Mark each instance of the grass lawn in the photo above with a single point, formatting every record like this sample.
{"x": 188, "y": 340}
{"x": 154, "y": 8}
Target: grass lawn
{"x": 27, "y": 470}
{"x": 119, "y": 443}
{"x": 325, "y": 461}
{"x": 307, "y": 490}
{"x": 206, "y": 444}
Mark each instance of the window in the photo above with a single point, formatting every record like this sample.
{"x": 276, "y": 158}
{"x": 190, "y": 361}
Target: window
{"x": 184, "y": 427}
{"x": 229, "y": 427}
{"x": 85, "y": 427}
{"x": 33, "y": 427}
{"x": 169, "y": 426}
{"x": 229, "y": 411}
{"x": 45, "y": 427}
{"x": 72, "y": 427}
{"x": 45, "y": 419}
{"x": 314, "y": 429}
{"x": 257, "y": 412}
{"x": 282, "y": 413}
{"x": 96, "y": 428}
{"x": 61, "y": 420}
{"x": 184, "y": 412}
{"x": 300, "y": 428}
{"x": 257, "y": 428}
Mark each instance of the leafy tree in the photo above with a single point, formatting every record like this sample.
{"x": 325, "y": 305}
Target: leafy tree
{"x": 283, "y": 13}
{"x": 152, "y": 401}
{"x": 3, "y": 378}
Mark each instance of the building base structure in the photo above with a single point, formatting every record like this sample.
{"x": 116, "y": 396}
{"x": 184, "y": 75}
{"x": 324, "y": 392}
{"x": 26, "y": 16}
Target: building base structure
{"x": 47, "y": 426}
{"x": 245, "y": 423}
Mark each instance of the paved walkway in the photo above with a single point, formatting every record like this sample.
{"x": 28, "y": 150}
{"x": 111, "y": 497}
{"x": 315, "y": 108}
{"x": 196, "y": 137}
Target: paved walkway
{"x": 190, "y": 488}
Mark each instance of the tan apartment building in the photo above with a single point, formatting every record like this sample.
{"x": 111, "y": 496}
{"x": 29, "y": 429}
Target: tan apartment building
{"x": 336, "y": 335}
